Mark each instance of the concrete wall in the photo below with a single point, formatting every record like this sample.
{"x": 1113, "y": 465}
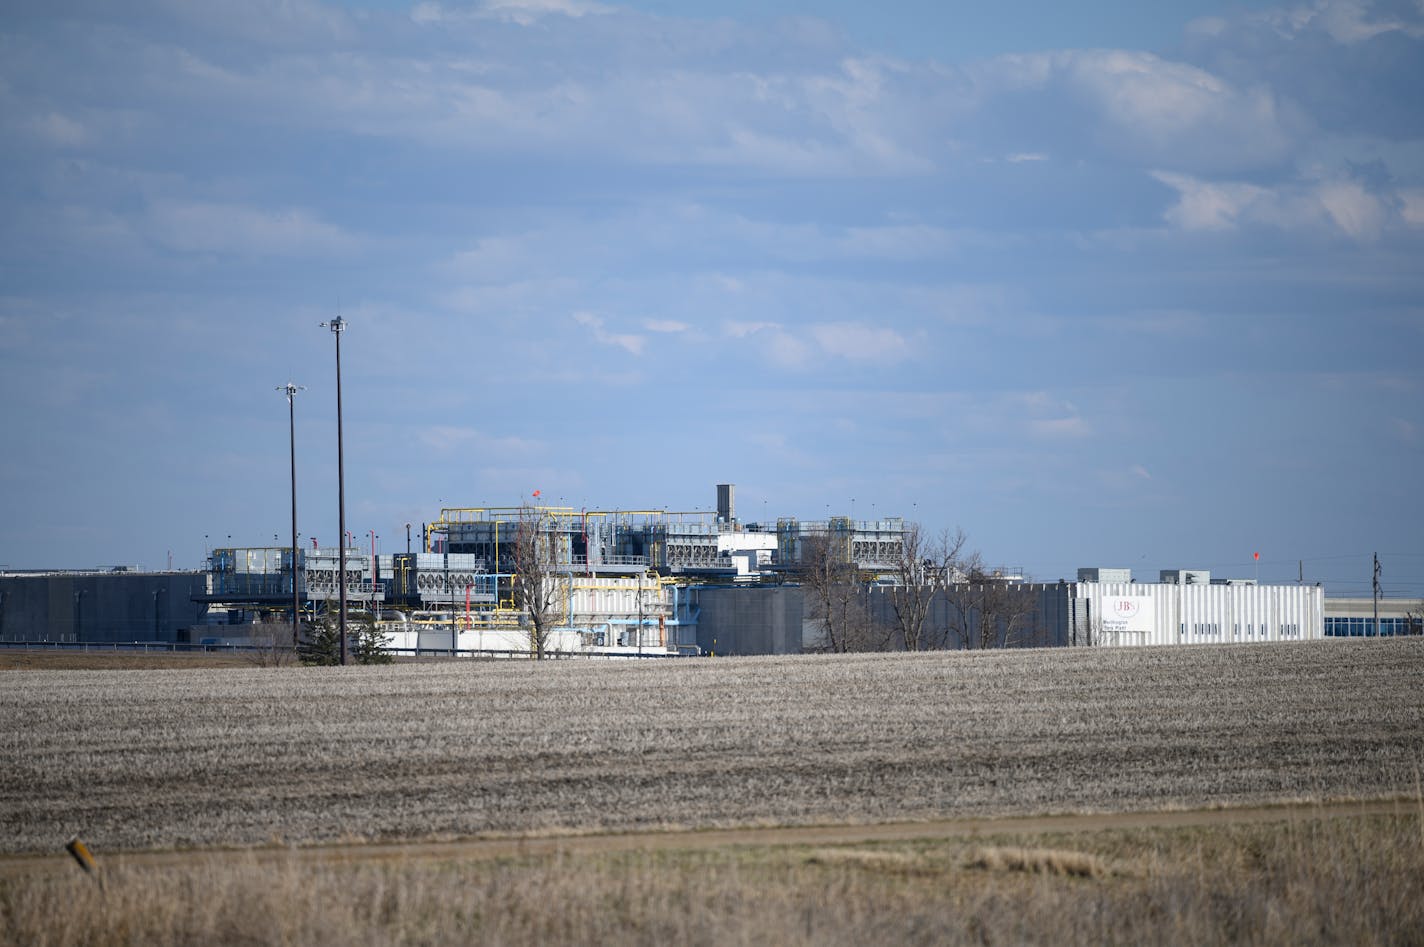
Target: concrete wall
{"x": 99, "y": 606}
{"x": 748, "y": 619}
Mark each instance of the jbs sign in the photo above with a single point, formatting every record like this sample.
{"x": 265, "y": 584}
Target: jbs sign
{"x": 1126, "y": 613}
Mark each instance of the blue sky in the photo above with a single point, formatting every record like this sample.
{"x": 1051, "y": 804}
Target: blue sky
{"x": 1139, "y": 287}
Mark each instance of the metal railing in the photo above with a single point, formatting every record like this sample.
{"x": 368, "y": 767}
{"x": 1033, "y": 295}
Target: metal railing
{"x": 180, "y": 647}
{"x": 612, "y": 561}
{"x": 138, "y": 646}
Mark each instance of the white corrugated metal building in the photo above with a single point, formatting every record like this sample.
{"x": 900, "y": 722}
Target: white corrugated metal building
{"x": 1188, "y": 608}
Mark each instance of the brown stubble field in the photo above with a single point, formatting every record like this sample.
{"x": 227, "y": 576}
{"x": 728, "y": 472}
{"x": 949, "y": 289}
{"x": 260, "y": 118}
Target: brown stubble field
{"x": 20, "y": 659}
{"x": 158, "y": 759}
{"x": 212, "y": 796}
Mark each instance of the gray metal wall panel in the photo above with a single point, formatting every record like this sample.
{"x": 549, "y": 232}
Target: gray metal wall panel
{"x": 1045, "y": 625}
{"x": 432, "y": 639}
{"x": 99, "y": 607}
{"x": 749, "y": 619}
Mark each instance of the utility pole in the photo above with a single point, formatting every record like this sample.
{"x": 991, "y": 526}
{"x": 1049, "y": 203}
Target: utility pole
{"x": 1377, "y": 594}
{"x": 291, "y": 391}
{"x": 338, "y": 326}
{"x": 450, "y": 591}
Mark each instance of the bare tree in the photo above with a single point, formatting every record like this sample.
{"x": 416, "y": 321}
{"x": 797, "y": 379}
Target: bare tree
{"x": 271, "y": 645}
{"x": 837, "y": 596}
{"x": 537, "y": 581}
{"x": 988, "y": 611}
{"x": 922, "y": 570}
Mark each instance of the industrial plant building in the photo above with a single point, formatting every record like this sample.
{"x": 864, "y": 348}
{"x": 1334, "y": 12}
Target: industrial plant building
{"x": 653, "y": 582}
{"x": 99, "y": 606}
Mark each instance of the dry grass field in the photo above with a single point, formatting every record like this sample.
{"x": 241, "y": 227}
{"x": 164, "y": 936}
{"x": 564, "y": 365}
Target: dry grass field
{"x": 1303, "y": 882}
{"x": 204, "y": 758}
{"x": 251, "y": 756}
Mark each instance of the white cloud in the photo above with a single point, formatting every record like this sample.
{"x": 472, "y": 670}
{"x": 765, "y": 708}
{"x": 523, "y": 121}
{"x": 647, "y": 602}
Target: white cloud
{"x": 969, "y": 304}
{"x": 1339, "y": 204}
{"x": 525, "y": 12}
{"x": 1132, "y": 106}
{"x": 772, "y": 341}
{"x": 1345, "y": 21}
{"x": 740, "y": 330}
{"x": 786, "y": 350}
{"x": 898, "y": 242}
{"x": 1139, "y": 471}
{"x": 1207, "y": 26}
{"x": 1356, "y": 212}
{"x": 424, "y": 14}
{"x": 802, "y": 347}
{"x": 522, "y": 12}
{"x": 59, "y": 130}
{"x": 1047, "y": 416}
{"x": 633, "y": 344}
{"x": 519, "y": 296}
{"x": 1059, "y": 427}
{"x": 445, "y": 437}
{"x": 861, "y": 342}
{"x": 665, "y": 325}
{"x": 1203, "y": 205}
{"x": 197, "y": 227}
{"x": 1411, "y": 207}
{"x": 491, "y": 259}
{"x": 277, "y": 23}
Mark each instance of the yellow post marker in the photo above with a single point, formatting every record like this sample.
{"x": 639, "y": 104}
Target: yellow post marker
{"x": 83, "y": 856}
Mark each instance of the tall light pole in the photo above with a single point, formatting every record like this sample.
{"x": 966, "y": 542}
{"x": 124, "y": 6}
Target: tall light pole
{"x": 291, "y": 390}
{"x": 374, "y": 582}
{"x": 338, "y": 326}
{"x": 1376, "y": 592}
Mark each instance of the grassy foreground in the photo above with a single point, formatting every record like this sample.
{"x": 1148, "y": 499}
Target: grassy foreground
{"x": 1311, "y": 881}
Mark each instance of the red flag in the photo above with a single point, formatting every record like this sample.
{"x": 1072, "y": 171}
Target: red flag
{"x": 1257, "y": 555}
{"x": 536, "y": 493}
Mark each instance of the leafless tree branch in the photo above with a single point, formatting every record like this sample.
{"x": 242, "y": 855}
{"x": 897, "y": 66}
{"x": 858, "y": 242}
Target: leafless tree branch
{"x": 837, "y": 596}
{"x": 538, "y": 582}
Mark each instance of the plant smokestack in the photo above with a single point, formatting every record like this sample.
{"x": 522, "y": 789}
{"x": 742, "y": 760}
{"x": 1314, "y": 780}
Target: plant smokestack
{"x": 726, "y": 502}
